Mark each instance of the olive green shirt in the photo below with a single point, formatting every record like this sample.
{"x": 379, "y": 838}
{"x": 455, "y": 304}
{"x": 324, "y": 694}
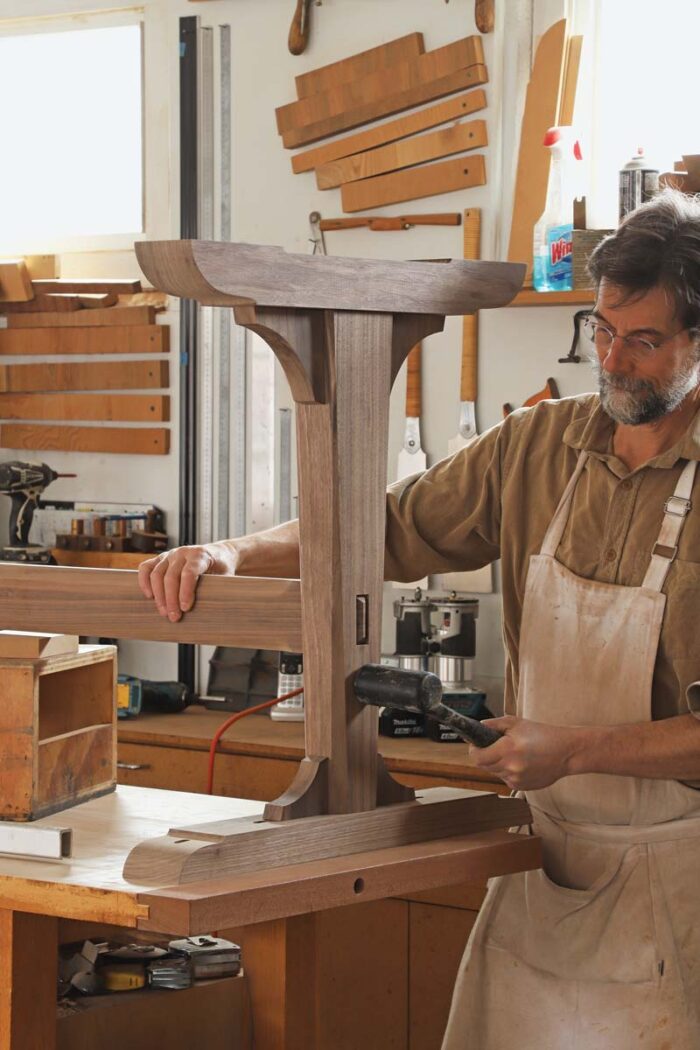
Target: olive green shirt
{"x": 496, "y": 498}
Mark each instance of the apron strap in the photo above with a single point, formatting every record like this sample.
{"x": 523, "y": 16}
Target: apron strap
{"x": 557, "y": 525}
{"x": 675, "y": 512}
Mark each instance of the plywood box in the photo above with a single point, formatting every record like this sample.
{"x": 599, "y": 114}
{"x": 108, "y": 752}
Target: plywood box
{"x": 57, "y": 731}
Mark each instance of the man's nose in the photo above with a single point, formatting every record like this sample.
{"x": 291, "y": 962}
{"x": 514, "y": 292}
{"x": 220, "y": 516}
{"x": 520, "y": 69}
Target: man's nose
{"x": 617, "y": 358}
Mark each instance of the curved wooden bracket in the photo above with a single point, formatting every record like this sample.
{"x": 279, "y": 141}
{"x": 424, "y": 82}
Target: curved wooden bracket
{"x": 297, "y": 338}
{"x": 306, "y": 796}
{"x": 407, "y": 331}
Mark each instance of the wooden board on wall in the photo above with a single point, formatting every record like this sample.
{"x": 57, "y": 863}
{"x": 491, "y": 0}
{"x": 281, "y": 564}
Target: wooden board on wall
{"x": 541, "y": 109}
{"x": 428, "y": 180}
{"x": 136, "y": 375}
{"x": 149, "y": 441}
{"x": 326, "y": 77}
{"x": 452, "y": 109}
{"x": 107, "y": 339}
{"x": 127, "y": 408}
{"x": 15, "y": 282}
{"x": 371, "y": 88}
{"x": 121, "y": 315}
{"x": 405, "y": 154}
{"x": 471, "y": 77}
{"x": 68, "y": 284}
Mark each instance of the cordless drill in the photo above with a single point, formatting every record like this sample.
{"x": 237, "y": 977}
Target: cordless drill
{"x": 24, "y": 483}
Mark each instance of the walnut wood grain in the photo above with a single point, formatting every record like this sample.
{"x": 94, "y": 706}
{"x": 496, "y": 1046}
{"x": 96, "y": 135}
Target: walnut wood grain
{"x": 244, "y": 611}
{"x": 221, "y": 274}
{"x": 235, "y": 847}
{"x": 392, "y": 130}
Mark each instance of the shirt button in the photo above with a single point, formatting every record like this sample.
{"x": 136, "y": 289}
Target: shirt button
{"x": 627, "y": 485}
{"x": 610, "y": 554}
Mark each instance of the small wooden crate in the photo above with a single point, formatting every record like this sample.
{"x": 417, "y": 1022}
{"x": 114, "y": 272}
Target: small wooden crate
{"x": 58, "y": 734}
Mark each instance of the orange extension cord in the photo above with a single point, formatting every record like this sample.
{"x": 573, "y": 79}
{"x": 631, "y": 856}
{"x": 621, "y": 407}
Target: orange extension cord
{"x": 234, "y": 718}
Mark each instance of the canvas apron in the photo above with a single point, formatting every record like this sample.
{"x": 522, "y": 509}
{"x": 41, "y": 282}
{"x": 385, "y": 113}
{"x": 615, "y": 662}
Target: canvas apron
{"x": 600, "y": 950}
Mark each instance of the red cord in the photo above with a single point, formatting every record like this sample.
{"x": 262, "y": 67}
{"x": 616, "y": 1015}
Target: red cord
{"x": 234, "y": 718}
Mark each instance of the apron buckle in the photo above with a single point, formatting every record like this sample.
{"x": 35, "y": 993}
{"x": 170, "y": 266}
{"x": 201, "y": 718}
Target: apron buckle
{"x": 664, "y": 551}
{"x": 677, "y": 505}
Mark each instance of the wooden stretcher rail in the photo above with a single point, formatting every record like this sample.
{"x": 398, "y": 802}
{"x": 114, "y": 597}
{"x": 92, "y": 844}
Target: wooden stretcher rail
{"x": 243, "y": 611}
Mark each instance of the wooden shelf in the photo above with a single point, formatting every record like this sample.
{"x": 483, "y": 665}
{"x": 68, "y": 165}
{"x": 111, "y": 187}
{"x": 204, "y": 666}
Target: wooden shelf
{"x": 578, "y": 297}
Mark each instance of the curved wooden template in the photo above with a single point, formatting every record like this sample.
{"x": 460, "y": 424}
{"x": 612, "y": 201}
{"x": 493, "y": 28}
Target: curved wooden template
{"x": 240, "y": 611}
{"x": 307, "y": 795}
{"x": 224, "y": 274}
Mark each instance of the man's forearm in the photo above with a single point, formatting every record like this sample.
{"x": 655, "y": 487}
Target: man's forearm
{"x": 665, "y": 749}
{"x": 274, "y": 552}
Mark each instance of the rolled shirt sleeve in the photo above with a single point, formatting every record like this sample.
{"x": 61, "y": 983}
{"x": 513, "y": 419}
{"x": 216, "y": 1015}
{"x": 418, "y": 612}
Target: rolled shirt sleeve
{"x": 448, "y": 518}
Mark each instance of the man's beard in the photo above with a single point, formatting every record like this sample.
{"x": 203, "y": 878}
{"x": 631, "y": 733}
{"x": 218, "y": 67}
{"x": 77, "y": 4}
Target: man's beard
{"x": 637, "y": 401}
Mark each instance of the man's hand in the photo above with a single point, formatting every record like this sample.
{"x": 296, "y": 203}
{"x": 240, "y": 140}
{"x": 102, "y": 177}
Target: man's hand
{"x": 530, "y": 755}
{"x": 171, "y": 578}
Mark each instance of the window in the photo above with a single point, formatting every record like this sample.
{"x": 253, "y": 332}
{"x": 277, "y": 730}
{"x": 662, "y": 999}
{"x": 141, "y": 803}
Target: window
{"x": 644, "y": 83}
{"x": 72, "y": 150}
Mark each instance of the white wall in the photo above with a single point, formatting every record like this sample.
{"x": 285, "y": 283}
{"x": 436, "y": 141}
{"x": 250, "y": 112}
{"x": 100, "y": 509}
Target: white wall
{"x": 518, "y": 347}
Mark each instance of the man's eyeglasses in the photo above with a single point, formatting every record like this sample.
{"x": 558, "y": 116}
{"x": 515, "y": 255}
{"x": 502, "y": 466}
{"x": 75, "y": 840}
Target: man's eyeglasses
{"x": 603, "y": 338}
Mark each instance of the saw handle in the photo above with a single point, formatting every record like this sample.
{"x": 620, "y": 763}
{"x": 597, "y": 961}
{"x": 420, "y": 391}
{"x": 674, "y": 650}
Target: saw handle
{"x": 470, "y": 322}
{"x": 484, "y": 15}
{"x": 413, "y": 383}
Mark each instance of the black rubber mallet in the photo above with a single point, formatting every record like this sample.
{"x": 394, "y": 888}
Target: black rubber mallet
{"x": 420, "y": 692}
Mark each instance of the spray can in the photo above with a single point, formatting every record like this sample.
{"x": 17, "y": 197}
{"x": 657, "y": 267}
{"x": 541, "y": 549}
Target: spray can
{"x": 639, "y": 182}
{"x": 552, "y": 248}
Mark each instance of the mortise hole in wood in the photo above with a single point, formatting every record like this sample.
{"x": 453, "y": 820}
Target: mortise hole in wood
{"x": 362, "y": 619}
{"x": 358, "y": 885}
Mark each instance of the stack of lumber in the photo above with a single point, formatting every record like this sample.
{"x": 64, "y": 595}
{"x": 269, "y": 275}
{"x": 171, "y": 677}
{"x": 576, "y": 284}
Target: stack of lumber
{"x": 49, "y": 403}
{"x": 389, "y": 163}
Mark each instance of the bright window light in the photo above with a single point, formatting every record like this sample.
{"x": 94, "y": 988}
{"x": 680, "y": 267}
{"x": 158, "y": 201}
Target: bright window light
{"x": 71, "y": 133}
{"x": 645, "y": 88}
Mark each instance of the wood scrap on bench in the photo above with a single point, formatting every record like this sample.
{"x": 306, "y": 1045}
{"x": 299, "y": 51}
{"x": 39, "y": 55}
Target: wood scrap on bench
{"x": 15, "y": 282}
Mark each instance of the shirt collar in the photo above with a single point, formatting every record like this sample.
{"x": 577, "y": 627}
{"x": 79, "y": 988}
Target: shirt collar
{"x": 593, "y": 432}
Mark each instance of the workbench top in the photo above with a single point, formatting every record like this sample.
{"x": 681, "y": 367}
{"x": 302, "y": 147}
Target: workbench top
{"x": 261, "y": 736}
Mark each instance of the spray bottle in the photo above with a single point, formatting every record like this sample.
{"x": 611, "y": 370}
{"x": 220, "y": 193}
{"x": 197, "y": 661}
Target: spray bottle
{"x": 553, "y": 233}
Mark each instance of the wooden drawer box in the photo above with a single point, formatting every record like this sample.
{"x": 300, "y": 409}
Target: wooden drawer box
{"x": 57, "y": 731}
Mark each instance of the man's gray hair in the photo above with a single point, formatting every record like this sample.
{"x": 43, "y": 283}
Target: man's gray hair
{"x": 658, "y": 244}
